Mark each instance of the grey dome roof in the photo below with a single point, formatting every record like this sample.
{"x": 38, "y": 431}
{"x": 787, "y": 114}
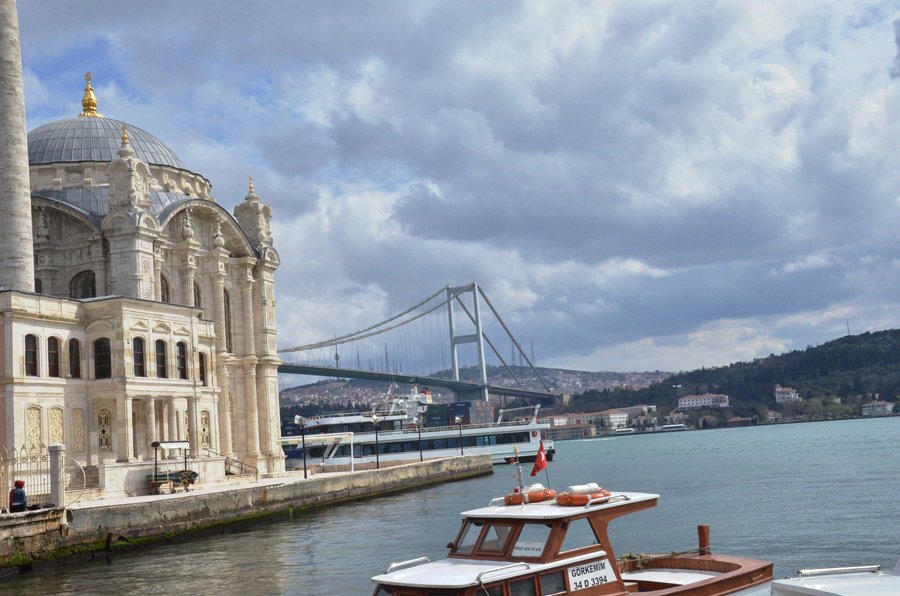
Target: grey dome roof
{"x": 94, "y": 139}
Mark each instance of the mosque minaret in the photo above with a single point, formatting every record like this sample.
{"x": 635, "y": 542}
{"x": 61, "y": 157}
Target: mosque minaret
{"x": 17, "y": 262}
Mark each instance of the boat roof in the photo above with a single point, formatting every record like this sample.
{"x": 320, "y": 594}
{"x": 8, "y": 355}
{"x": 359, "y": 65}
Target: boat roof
{"x": 463, "y": 573}
{"x": 849, "y": 584}
{"x": 551, "y": 510}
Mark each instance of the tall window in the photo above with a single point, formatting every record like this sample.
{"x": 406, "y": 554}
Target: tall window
{"x": 161, "y": 359}
{"x": 83, "y": 285}
{"x": 202, "y": 363}
{"x": 227, "y": 300}
{"x": 53, "y": 357}
{"x": 137, "y": 347}
{"x": 31, "y": 355}
{"x": 74, "y": 359}
{"x": 181, "y": 362}
{"x": 164, "y": 290}
{"x": 102, "y": 359}
{"x": 198, "y": 299}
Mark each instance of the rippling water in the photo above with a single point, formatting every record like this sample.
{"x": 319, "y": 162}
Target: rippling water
{"x": 818, "y": 494}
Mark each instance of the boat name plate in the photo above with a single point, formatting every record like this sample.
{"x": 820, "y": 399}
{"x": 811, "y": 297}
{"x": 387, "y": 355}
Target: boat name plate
{"x": 589, "y": 575}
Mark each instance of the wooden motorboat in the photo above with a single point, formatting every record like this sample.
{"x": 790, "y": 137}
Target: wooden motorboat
{"x": 537, "y": 546}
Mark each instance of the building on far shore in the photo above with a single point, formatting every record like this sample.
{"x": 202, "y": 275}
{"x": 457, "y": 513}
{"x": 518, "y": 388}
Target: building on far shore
{"x": 877, "y": 408}
{"x": 783, "y": 394}
{"x": 706, "y": 400}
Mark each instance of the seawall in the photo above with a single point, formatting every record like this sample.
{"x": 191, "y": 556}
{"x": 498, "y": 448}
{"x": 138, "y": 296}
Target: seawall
{"x": 102, "y": 525}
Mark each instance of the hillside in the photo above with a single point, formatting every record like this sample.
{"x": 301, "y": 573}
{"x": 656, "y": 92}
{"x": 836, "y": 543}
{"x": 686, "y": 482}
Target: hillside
{"x": 845, "y": 370}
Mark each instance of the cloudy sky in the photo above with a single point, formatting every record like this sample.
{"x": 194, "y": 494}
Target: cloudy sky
{"x": 636, "y": 185}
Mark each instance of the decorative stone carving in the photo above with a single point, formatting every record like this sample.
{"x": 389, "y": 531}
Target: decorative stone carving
{"x": 78, "y": 430}
{"x": 104, "y": 430}
{"x": 32, "y": 428}
{"x": 204, "y": 429}
{"x": 55, "y": 426}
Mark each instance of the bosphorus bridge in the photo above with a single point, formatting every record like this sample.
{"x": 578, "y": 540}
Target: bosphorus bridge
{"x": 445, "y": 340}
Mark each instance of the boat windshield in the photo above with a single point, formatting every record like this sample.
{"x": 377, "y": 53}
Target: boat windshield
{"x": 532, "y": 540}
{"x": 468, "y": 536}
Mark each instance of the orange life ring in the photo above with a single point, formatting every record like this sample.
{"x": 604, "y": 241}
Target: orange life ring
{"x": 535, "y": 496}
{"x": 581, "y": 499}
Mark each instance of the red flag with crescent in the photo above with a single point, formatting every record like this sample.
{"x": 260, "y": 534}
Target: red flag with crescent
{"x": 540, "y": 461}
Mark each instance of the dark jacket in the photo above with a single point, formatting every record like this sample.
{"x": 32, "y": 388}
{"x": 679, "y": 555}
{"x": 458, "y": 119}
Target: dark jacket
{"x": 17, "y": 500}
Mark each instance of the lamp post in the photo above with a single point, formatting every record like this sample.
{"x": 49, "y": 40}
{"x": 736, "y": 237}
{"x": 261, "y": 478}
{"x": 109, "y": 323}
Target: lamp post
{"x": 419, "y": 430}
{"x": 375, "y": 420}
{"x": 301, "y": 421}
{"x": 458, "y": 421}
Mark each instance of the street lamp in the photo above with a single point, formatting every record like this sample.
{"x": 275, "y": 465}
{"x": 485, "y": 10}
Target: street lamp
{"x": 458, "y": 421}
{"x": 419, "y": 430}
{"x": 375, "y": 420}
{"x": 301, "y": 421}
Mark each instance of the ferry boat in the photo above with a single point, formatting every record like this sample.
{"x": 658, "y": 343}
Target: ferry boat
{"x": 867, "y": 580}
{"x": 624, "y": 431}
{"x": 672, "y": 427}
{"x": 536, "y": 542}
{"x": 331, "y": 439}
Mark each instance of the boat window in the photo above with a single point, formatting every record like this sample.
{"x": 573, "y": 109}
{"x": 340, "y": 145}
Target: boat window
{"x": 495, "y": 538}
{"x": 531, "y": 540}
{"x": 579, "y": 534}
{"x": 467, "y": 538}
{"x": 523, "y": 587}
{"x": 553, "y": 583}
{"x": 494, "y": 591}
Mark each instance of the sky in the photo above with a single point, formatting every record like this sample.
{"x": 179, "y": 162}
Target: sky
{"x": 636, "y": 185}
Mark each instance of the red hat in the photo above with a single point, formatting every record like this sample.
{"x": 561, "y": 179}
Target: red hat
{"x": 20, "y": 483}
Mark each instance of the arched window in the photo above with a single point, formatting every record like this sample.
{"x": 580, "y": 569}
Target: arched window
{"x": 164, "y": 295}
{"x": 181, "y": 362}
{"x": 31, "y": 355}
{"x": 198, "y": 299}
{"x": 227, "y": 300}
{"x": 74, "y": 359}
{"x": 53, "y": 357}
{"x": 202, "y": 363}
{"x": 102, "y": 359}
{"x": 83, "y": 285}
{"x": 137, "y": 348}
{"x": 161, "y": 359}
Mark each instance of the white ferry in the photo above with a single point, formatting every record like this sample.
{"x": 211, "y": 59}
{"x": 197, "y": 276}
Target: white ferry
{"x": 331, "y": 439}
{"x": 536, "y": 542}
{"x": 672, "y": 427}
{"x": 624, "y": 431}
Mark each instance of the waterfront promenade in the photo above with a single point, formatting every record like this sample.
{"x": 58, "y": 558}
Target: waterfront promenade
{"x": 108, "y": 524}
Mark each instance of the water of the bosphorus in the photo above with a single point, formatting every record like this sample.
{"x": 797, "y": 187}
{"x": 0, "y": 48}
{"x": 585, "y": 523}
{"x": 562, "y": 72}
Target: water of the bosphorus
{"x": 801, "y": 495}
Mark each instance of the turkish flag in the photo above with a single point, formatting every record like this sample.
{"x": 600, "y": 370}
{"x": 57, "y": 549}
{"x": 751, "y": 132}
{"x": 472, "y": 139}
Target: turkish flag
{"x": 540, "y": 461}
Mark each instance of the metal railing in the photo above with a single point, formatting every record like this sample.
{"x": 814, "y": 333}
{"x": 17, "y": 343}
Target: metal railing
{"x": 30, "y": 465}
{"x": 234, "y": 466}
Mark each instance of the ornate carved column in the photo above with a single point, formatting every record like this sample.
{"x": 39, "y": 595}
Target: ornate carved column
{"x": 151, "y": 434}
{"x": 193, "y": 419}
{"x": 173, "y": 426}
{"x": 124, "y": 431}
{"x": 252, "y": 409}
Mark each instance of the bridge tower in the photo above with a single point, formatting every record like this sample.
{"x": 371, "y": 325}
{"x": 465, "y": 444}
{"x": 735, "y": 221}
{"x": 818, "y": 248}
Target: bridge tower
{"x": 453, "y": 294}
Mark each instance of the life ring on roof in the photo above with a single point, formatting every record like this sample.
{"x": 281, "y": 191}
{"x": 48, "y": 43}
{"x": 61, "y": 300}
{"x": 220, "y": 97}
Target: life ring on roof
{"x": 580, "y": 495}
{"x": 533, "y": 494}
{"x": 534, "y": 433}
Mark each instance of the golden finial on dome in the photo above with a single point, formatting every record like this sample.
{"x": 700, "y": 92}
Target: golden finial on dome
{"x": 251, "y": 185}
{"x": 124, "y": 134}
{"x": 89, "y": 102}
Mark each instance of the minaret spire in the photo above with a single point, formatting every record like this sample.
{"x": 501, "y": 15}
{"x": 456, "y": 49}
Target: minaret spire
{"x": 16, "y": 244}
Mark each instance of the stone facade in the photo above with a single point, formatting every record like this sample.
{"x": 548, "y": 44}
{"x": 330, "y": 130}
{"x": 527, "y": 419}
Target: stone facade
{"x": 152, "y": 316}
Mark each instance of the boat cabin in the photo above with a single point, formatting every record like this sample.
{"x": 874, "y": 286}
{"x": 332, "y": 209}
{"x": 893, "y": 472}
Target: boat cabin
{"x": 560, "y": 545}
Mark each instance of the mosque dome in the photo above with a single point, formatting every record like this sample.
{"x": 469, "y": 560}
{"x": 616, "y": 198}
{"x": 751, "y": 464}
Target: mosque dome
{"x": 91, "y": 137}
{"x": 81, "y": 139}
